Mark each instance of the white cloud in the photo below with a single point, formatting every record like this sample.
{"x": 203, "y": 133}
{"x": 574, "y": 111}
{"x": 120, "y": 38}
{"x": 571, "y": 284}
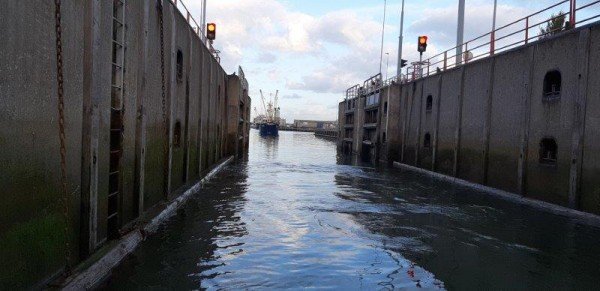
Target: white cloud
{"x": 440, "y": 24}
{"x": 266, "y": 58}
{"x": 292, "y": 96}
{"x": 318, "y": 55}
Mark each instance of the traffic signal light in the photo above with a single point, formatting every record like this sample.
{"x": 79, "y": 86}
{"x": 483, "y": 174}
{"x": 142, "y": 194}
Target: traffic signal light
{"x": 422, "y": 47}
{"x": 211, "y": 31}
{"x": 403, "y": 63}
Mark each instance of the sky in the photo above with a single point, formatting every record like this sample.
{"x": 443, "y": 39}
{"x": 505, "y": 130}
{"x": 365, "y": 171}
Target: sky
{"x": 312, "y": 50}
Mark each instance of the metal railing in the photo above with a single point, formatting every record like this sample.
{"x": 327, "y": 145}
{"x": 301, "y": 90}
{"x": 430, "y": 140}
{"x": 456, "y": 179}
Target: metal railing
{"x": 353, "y": 92}
{"x": 185, "y": 12}
{"x": 509, "y": 36}
{"x": 198, "y": 29}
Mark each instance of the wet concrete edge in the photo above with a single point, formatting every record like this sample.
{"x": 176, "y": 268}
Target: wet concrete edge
{"x": 100, "y": 270}
{"x": 584, "y": 217}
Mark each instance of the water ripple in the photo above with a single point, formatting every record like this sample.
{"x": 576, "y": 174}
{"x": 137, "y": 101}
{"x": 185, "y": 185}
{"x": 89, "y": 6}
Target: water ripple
{"x": 297, "y": 215}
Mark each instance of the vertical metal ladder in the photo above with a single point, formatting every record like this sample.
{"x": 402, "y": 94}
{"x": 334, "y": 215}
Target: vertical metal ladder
{"x": 116, "y": 119}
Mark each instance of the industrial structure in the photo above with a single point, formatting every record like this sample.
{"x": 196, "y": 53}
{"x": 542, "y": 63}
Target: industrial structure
{"x": 111, "y": 111}
{"x": 314, "y": 124}
{"x": 520, "y": 120}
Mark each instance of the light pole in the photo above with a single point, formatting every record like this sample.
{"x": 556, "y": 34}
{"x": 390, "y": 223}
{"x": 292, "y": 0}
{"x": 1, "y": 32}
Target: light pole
{"x": 204, "y": 21}
{"x": 460, "y": 31}
{"x": 387, "y": 102}
{"x": 572, "y": 11}
{"x": 382, "y": 36}
{"x": 400, "y": 40}
{"x": 387, "y": 63}
{"x": 493, "y": 34}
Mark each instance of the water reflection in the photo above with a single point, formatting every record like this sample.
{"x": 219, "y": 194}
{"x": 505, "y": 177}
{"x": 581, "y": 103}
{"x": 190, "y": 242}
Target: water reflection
{"x": 184, "y": 257}
{"x": 297, "y": 214}
{"x": 470, "y": 240}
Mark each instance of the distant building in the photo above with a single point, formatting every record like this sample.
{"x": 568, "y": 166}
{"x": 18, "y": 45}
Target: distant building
{"x": 315, "y": 124}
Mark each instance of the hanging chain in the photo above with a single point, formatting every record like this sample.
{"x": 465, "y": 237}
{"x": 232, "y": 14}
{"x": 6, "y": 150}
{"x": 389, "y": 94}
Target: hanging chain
{"x": 164, "y": 102}
{"x": 61, "y": 126}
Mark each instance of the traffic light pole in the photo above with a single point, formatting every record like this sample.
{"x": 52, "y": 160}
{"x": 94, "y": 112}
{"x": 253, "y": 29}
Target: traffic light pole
{"x": 204, "y": 21}
{"x": 382, "y": 36}
{"x": 400, "y": 41}
{"x": 460, "y": 31}
{"x": 420, "y": 65}
{"x": 572, "y": 11}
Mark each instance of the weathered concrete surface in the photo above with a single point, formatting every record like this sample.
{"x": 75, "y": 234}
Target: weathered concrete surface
{"x": 238, "y": 124}
{"x": 390, "y": 146}
{"x": 590, "y": 187}
{"x": 90, "y": 277}
{"x": 32, "y": 220}
{"x": 33, "y": 242}
{"x": 505, "y": 138}
{"x": 476, "y": 86}
{"x": 488, "y": 119}
{"x": 552, "y": 119}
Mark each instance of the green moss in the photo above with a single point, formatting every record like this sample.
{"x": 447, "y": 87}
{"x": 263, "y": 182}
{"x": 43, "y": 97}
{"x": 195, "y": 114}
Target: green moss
{"x": 470, "y": 165}
{"x": 154, "y": 171}
{"x": 177, "y": 168}
{"x": 590, "y": 191}
{"x": 503, "y": 169}
{"x": 445, "y": 161}
{"x": 31, "y": 251}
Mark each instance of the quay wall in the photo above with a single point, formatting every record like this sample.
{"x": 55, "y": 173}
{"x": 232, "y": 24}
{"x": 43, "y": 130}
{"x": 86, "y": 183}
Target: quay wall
{"x": 495, "y": 122}
{"x": 42, "y": 231}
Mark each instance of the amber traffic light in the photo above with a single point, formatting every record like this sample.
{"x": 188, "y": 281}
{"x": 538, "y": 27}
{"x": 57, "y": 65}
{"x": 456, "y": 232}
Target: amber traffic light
{"x": 422, "y": 45}
{"x": 211, "y": 31}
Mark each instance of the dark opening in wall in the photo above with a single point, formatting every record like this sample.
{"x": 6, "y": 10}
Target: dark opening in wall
{"x": 427, "y": 141}
{"x": 384, "y": 138}
{"x": 429, "y": 104}
{"x": 371, "y": 117}
{"x": 552, "y": 85}
{"x": 349, "y": 133}
{"x": 548, "y": 151}
{"x": 369, "y": 135}
{"x": 350, "y": 119}
{"x": 179, "y": 66}
{"x": 385, "y": 108}
{"x": 177, "y": 134}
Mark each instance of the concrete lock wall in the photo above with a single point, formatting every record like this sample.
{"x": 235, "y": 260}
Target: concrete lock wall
{"x": 487, "y": 121}
{"x": 34, "y": 215}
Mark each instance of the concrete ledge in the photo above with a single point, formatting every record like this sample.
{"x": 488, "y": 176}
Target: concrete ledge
{"x": 583, "y": 217}
{"x": 93, "y": 275}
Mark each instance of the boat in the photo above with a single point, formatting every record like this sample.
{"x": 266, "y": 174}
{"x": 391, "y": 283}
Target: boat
{"x": 268, "y": 123}
{"x": 269, "y": 129}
